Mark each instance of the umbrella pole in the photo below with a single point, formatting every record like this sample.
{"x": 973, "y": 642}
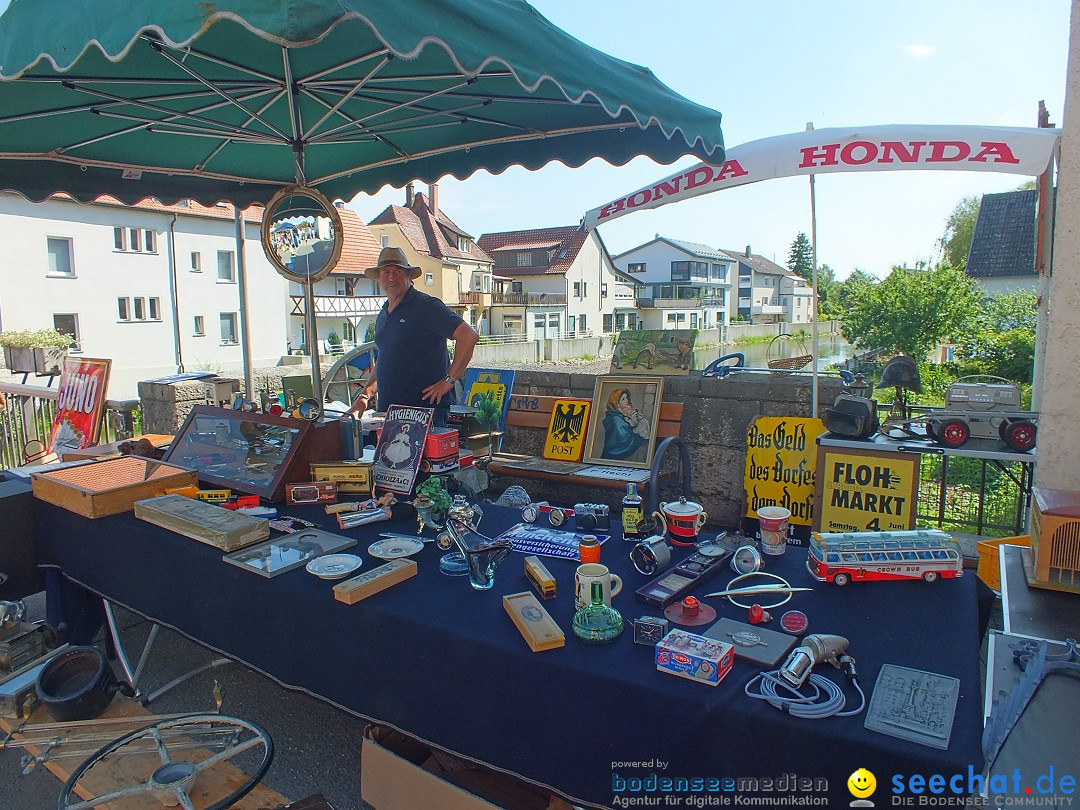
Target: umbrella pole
{"x": 313, "y": 341}
{"x": 813, "y": 284}
{"x": 245, "y": 322}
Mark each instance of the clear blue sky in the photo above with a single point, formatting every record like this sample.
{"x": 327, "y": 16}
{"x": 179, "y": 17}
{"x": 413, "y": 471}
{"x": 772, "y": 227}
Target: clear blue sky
{"x": 770, "y": 67}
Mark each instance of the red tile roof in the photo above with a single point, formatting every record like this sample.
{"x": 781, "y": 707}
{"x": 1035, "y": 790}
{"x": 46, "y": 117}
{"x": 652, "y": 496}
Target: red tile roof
{"x": 427, "y": 232}
{"x": 186, "y": 207}
{"x": 567, "y": 242}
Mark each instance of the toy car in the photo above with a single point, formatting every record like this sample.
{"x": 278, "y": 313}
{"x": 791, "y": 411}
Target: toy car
{"x": 983, "y": 410}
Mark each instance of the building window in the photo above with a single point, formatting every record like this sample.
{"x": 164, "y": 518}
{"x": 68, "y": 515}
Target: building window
{"x": 429, "y": 279}
{"x": 464, "y": 245}
{"x": 524, "y": 259}
{"x": 582, "y": 325}
{"x": 155, "y": 309}
{"x": 515, "y": 287}
{"x": 119, "y": 242}
{"x": 226, "y": 266}
{"x": 60, "y": 263}
{"x": 577, "y": 289}
{"x": 200, "y": 326}
{"x": 150, "y": 240}
{"x": 693, "y": 320}
{"x": 571, "y": 325}
{"x": 68, "y": 324}
{"x": 140, "y": 309}
{"x": 196, "y": 262}
{"x": 133, "y": 239}
{"x": 228, "y": 328}
{"x": 603, "y": 290}
{"x": 384, "y": 241}
{"x": 123, "y": 308}
{"x": 609, "y": 323}
{"x": 635, "y": 267}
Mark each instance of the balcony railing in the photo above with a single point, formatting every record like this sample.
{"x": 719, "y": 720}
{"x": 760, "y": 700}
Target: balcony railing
{"x": 28, "y": 415}
{"x": 670, "y": 303}
{"x": 474, "y": 298}
{"x": 768, "y": 309}
{"x": 341, "y": 305}
{"x": 529, "y": 299}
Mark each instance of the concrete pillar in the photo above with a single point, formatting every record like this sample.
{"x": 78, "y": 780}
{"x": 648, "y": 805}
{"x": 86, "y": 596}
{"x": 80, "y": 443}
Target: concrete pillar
{"x": 1058, "y": 446}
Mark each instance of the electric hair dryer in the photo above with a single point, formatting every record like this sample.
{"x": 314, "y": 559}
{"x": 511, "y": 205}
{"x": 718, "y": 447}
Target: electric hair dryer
{"x": 814, "y": 650}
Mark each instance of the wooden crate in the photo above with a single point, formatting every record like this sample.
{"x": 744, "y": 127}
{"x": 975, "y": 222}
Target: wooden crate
{"x": 100, "y": 488}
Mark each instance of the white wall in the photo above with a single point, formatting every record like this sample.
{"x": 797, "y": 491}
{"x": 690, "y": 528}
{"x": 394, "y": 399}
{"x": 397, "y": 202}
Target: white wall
{"x": 1058, "y": 445}
{"x": 139, "y": 349}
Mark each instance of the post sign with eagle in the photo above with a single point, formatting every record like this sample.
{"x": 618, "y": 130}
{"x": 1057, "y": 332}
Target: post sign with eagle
{"x": 565, "y": 439}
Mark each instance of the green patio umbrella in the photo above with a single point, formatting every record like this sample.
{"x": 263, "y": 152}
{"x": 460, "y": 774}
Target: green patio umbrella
{"x": 230, "y": 100}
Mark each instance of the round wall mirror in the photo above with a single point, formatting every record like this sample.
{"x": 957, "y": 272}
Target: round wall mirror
{"x": 301, "y": 234}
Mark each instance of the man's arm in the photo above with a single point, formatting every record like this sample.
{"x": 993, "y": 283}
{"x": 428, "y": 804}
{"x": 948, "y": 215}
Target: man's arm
{"x": 367, "y": 393}
{"x": 465, "y": 339}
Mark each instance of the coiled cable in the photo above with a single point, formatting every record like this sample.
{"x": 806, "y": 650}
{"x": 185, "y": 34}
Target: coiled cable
{"x": 800, "y": 705}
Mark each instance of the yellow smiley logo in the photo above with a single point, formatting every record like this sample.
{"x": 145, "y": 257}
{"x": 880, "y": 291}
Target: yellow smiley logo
{"x": 861, "y": 783}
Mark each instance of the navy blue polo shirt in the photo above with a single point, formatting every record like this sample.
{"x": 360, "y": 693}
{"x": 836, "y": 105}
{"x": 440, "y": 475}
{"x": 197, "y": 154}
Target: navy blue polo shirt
{"x": 412, "y": 349}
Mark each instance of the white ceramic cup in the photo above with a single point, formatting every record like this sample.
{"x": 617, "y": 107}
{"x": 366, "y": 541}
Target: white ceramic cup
{"x": 589, "y": 573}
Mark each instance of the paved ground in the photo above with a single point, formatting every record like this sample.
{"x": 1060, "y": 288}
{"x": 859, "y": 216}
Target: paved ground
{"x": 317, "y": 747}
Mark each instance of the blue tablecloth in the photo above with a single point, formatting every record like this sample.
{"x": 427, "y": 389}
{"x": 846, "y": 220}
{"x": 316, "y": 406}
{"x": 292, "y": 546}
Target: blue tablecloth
{"x": 436, "y": 659}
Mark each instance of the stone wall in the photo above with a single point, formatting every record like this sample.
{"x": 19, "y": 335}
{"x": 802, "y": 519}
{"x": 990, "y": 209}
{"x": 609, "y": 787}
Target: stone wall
{"x": 716, "y": 416}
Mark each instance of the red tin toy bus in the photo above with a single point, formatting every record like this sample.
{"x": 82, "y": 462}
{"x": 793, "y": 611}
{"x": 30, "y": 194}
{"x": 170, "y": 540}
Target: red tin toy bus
{"x": 925, "y": 554}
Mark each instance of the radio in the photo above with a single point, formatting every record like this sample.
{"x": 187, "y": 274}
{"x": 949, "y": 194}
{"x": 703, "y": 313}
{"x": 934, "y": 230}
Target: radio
{"x": 592, "y": 516}
{"x": 676, "y": 582}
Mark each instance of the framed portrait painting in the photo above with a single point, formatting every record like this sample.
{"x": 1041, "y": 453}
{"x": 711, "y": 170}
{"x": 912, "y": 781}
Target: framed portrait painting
{"x": 623, "y": 421}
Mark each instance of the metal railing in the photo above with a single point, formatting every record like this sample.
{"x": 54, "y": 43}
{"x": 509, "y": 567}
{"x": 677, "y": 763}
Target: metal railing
{"x": 29, "y": 410}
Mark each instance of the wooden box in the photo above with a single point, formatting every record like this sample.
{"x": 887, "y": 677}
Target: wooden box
{"x": 351, "y": 477}
{"x": 100, "y": 488}
{"x": 253, "y": 452}
{"x": 371, "y": 582}
{"x": 533, "y": 622}
{"x": 202, "y": 521}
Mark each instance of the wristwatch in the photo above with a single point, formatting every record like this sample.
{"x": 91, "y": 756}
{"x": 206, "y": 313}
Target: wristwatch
{"x": 449, "y": 379}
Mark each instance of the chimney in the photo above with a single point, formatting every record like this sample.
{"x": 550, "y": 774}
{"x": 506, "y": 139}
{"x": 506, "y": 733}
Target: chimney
{"x": 748, "y": 251}
{"x": 433, "y": 198}
{"x": 408, "y": 195}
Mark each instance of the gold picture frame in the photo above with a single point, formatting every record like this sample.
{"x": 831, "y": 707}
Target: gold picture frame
{"x": 624, "y": 420}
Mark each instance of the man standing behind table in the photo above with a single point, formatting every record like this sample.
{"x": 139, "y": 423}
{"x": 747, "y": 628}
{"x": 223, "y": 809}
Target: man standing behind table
{"x": 411, "y": 330}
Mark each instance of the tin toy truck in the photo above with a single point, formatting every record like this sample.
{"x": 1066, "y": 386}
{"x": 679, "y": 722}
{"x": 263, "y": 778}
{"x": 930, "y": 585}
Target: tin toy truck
{"x": 983, "y": 407}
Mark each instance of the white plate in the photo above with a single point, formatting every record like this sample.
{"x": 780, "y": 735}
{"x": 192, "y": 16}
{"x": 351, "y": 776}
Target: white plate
{"x": 392, "y": 548}
{"x": 334, "y": 566}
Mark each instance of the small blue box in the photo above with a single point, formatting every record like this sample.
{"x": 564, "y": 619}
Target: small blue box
{"x": 706, "y": 660}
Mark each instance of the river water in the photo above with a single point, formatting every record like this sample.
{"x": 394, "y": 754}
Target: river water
{"x": 832, "y": 349}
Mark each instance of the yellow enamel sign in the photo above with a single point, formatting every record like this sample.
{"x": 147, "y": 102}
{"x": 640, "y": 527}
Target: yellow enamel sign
{"x": 781, "y": 454}
{"x": 566, "y": 432}
{"x": 487, "y": 389}
{"x": 864, "y": 491}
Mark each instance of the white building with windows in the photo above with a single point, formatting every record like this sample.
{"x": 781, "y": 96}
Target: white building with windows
{"x": 556, "y": 282}
{"x": 151, "y": 287}
{"x": 680, "y": 285}
{"x": 769, "y": 293}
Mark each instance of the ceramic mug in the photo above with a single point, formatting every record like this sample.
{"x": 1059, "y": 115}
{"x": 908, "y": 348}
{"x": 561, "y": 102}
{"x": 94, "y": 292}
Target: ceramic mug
{"x": 589, "y": 573}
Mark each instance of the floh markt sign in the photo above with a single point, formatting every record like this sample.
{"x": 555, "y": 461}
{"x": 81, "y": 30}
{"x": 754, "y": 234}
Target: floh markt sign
{"x": 781, "y": 460}
{"x": 80, "y": 404}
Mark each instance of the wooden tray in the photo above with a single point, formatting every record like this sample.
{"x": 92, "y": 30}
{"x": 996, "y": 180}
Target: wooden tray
{"x": 100, "y": 488}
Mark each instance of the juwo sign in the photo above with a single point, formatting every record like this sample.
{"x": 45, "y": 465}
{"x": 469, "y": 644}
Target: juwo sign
{"x": 80, "y": 404}
{"x": 900, "y": 147}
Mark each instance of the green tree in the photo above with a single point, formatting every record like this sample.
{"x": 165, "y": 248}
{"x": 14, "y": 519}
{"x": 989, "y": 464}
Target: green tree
{"x": 848, "y": 289}
{"x": 959, "y": 228}
{"x": 369, "y": 335}
{"x": 911, "y": 311}
{"x": 828, "y": 293}
{"x": 1001, "y": 339}
{"x": 801, "y": 257}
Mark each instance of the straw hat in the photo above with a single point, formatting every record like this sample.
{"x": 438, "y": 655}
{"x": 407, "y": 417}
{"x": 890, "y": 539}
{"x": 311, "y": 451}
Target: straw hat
{"x": 393, "y": 255}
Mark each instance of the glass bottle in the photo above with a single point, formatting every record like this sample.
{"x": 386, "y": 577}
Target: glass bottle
{"x": 598, "y": 623}
{"x": 632, "y": 514}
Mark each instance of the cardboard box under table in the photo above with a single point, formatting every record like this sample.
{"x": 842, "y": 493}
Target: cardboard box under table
{"x": 100, "y": 488}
